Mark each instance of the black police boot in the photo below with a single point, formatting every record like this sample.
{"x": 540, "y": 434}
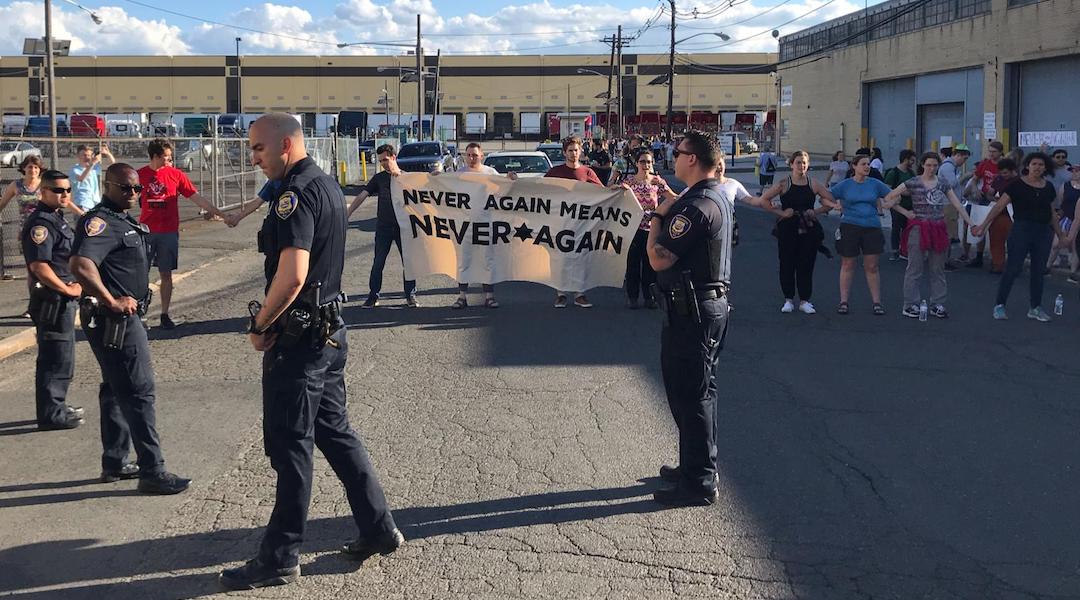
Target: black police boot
{"x": 75, "y": 410}
{"x": 65, "y": 421}
{"x": 164, "y": 483}
{"x": 254, "y": 574}
{"x": 128, "y": 471}
{"x": 364, "y": 548}
{"x": 670, "y": 474}
{"x": 680, "y": 496}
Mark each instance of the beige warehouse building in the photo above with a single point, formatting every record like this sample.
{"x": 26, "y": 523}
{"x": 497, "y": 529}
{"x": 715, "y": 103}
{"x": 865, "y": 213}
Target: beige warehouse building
{"x": 503, "y": 87}
{"x": 923, "y": 74}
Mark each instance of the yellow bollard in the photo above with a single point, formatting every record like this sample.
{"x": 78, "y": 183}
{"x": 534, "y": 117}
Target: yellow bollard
{"x": 363, "y": 165}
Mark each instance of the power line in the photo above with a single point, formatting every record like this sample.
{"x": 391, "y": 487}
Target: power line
{"x": 769, "y": 30}
{"x": 237, "y": 27}
{"x": 520, "y": 33}
{"x": 865, "y": 31}
{"x": 746, "y": 20}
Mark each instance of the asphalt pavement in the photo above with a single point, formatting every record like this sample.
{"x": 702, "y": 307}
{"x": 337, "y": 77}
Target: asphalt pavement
{"x": 860, "y": 456}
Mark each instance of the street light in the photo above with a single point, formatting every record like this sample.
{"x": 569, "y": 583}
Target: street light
{"x": 93, "y": 15}
{"x": 606, "y": 95}
{"x": 49, "y": 68}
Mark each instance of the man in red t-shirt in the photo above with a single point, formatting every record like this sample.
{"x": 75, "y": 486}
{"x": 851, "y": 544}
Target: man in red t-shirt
{"x": 985, "y": 172}
{"x": 573, "y": 169}
{"x": 162, "y": 185}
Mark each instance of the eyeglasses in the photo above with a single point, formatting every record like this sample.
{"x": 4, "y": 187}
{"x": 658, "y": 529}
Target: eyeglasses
{"x": 675, "y": 152}
{"x": 127, "y": 189}
{"x": 60, "y": 190}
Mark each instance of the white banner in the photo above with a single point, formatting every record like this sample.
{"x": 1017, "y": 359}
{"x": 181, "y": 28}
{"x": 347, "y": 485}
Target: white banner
{"x": 569, "y": 235}
{"x": 1054, "y": 139}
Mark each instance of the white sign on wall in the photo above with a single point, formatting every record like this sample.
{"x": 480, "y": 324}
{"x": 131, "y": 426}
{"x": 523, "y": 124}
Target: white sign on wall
{"x": 785, "y": 95}
{"x": 1054, "y": 139}
{"x": 990, "y": 126}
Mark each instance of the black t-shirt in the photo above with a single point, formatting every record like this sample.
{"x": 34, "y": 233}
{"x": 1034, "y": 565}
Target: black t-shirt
{"x": 379, "y": 186}
{"x": 114, "y": 240}
{"x": 309, "y": 214}
{"x": 46, "y": 237}
{"x": 1031, "y": 203}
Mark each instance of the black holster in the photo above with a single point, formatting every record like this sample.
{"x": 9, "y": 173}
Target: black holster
{"x": 114, "y": 327}
{"x": 46, "y": 305}
{"x": 309, "y": 320}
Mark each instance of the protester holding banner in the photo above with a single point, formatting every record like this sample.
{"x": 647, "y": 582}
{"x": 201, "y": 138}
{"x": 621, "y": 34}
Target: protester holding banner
{"x": 387, "y": 231}
{"x": 648, "y": 188}
{"x": 573, "y": 169}
{"x": 474, "y": 163}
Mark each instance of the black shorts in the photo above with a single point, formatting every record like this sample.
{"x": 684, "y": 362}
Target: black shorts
{"x": 855, "y": 240}
{"x": 163, "y": 250}
{"x": 766, "y": 179}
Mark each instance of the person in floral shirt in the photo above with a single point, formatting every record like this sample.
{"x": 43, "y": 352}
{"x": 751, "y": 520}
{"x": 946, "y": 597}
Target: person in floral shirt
{"x": 650, "y": 189}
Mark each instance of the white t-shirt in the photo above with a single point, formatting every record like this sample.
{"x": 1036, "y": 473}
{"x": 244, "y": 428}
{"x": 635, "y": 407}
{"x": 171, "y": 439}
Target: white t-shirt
{"x": 876, "y": 164}
{"x": 734, "y": 190}
{"x": 484, "y": 170}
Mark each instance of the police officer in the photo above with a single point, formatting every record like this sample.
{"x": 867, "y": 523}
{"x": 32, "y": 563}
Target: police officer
{"x": 46, "y": 244}
{"x": 689, "y": 246}
{"x": 109, "y": 260}
{"x": 299, "y": 329}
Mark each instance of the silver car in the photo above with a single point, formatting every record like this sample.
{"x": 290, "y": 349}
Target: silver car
{"x": 13, "y": 153}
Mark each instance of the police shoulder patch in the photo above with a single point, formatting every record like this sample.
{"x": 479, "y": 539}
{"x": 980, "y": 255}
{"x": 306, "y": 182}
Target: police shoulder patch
{"x": 94, "y": 226}
{"x": 286, "y": 205}
{"x": 679, "y": 227}
{"x": 39, "y": 233}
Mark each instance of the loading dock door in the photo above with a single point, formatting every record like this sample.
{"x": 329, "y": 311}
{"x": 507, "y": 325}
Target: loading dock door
{"x": 938, "y": 121}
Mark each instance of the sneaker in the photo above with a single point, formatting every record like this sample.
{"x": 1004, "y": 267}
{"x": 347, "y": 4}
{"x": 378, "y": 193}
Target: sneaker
{"x": 370, "y": 302}
{"x": 411, "y": 301}
{"x": 903, "y": 257}
{"x": 128, "y": 471}
{"x": 560, "y": 301}
{"x": 1038, "y": 314}
{"x": 76, "y": 411}
{"x": 582, "y": 302}
{"x": 999, "y": 312}
{"x": 788, "y": 307}
{"x": 895, "y": 256}
{"x": 254, "y": 574}
{"x": 806, "y": 308}
{"x": 939, "y": 311}
{"x": 167, "y": 323}
{"x": 384, "y": 544}
{"x": 911, "y": 311}
{"x": 164, "y": 484}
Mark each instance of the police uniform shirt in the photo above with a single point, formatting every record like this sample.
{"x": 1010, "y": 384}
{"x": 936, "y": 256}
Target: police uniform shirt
{"x": 46, "y": 237}
{"x": 693, "y": 221}
{"x": 309, "y": 215}
{"x": 114, "y": 241}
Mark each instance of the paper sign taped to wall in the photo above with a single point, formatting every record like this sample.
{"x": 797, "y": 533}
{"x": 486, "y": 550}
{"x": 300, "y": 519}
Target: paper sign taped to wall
{"x": 946, "y": 142}
{"x": 1054, "y": 139}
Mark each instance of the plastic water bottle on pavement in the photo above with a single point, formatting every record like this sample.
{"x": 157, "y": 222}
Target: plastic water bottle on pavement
{"x": 1059, "y": 305}
{"x": 924, "y": 310}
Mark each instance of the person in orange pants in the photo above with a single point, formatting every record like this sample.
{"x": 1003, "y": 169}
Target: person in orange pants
{"x": 1002, "y": 225}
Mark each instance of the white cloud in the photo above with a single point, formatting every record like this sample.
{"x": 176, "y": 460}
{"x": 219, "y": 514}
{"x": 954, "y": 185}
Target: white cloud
{"x": 296, "y": 30}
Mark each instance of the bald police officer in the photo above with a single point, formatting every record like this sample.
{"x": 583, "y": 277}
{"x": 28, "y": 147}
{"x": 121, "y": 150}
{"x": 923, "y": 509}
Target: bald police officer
{"x": 46, "y": 244}
{"x": 109, "y": 260}
{"x": 298, "y": 328}
{"x": 689, "y": 246}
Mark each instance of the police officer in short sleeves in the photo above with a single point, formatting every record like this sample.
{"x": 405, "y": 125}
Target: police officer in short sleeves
{"x": 109, "y": 260}
{"x": 690, "y": 248}
{"x": 46, "y": 244}
{"x": 300, "y": 332}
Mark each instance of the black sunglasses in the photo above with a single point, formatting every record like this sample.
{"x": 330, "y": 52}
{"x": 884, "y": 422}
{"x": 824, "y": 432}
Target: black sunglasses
{"x": 60, "y": 190}
{"x": 127, "y": 189}
{"x": 675, "y": 152}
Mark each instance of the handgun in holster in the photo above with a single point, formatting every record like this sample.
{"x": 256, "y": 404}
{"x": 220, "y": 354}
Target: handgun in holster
{"x": 689, "y": 295}
{"x": 300, "y": 317}
{"x": 143, "y": 306}
{"x": 46, "y": 305}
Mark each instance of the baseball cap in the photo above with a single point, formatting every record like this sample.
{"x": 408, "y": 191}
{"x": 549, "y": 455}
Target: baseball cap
{"x": 961, "y": 148}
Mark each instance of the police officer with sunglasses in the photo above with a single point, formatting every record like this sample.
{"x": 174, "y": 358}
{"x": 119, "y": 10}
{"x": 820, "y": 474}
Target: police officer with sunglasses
{"x": 109, "y": 260}
{"x": 46, "y": 245}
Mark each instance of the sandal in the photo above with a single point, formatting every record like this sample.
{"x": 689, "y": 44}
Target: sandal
{"x": 491, "y": 303}
{"x": 842, "y": 308}
{"x": 460, "y": 303}
{"x": 878, "y": 309}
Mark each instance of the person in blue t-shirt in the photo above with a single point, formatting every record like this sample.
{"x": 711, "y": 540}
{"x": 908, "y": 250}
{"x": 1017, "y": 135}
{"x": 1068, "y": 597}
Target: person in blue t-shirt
{"x": 269, "y": 192}
{"x": 860, "y": 231}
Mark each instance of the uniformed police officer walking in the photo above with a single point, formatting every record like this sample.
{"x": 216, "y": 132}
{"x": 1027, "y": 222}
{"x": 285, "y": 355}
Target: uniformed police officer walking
{"x": 690, "y": 248}
{"x": 299, "y": 329}
{"x": 46, "y": 244}
{"x": 109, "y": 260}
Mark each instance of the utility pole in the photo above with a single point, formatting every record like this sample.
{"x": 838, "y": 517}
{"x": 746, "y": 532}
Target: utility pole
{"x": 671, "y": 70}
{"x": 386, "y": 101}
{"x": 419, "y": 85}
{"x": 435, "y": 100}
{"x": 239, "y": 91}
{"x": 618, "y": 44}
{"x": 607, "y": 104}
{"x": 52, "y": 80}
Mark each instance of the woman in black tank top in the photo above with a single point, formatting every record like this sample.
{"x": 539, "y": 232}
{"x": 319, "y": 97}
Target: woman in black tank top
{"x": 798, "y": 233}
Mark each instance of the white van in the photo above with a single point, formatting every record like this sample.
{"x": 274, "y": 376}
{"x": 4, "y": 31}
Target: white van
{"x": 129, "y": 129}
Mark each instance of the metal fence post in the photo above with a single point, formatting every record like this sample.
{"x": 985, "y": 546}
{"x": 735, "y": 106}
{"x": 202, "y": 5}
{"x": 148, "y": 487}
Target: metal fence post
{"x": 215, "y": 153}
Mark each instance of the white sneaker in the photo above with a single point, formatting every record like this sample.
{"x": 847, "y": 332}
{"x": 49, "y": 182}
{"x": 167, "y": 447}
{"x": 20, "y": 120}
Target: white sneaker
{"x": 807, "y": 308}
{"x": 787, "y": 307}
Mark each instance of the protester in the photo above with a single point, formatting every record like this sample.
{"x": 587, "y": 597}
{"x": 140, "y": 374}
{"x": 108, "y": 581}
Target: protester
{"x": 601, "y": 165}
{"x": 1068, "y": 195}
{"x": 798, "y": 232}
{"x": 1061, "y": 168}
{"x": 648, "y": 188}
{"x": 86, "y": 176}
{"x": 982, "y": 197}
{"x": 267, "y": 193}
{"x": 766, "y": 169}
{"x": 838, "y": 168}
{"x": 950, "y": 172}
{"x": 876, "y": 161}
{"x": 860, "y": 231}
{"x": 573, "y": 169}
{"x": 1032, "y": 198}
{"x": 1001, "y": 227}
{"x": 894, "y": 176}
{"x": 925, "y": 238}
{"x": 874, "y": 173}
{"x": 387, "y": 230}
{"x": 27, "y": 193}
{"x": 162, "y": 184}
{"x": 474, "y": 163}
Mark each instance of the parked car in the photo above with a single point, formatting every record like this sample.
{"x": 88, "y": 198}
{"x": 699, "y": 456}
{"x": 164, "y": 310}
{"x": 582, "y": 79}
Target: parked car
{"x": 554, "y": 153}
{"x": 525, "y": 164}
{"x": 368, "y": 148}
{"x": 425, "y": 157}
{"x": 13, "y": 153}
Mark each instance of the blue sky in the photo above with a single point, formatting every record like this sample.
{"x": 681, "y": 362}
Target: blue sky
{"x": 478, "y": 27}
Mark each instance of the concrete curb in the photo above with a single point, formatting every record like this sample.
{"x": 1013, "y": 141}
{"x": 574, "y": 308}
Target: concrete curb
{"x": 15, "y": 344}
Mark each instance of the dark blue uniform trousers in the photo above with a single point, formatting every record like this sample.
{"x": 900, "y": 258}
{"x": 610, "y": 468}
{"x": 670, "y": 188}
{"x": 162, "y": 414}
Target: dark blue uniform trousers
{"x": 304, "y": 406}
{"x": 126, "y": 398}
{"x": 689, "y": 354}
{"x": 55, "y": 365}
